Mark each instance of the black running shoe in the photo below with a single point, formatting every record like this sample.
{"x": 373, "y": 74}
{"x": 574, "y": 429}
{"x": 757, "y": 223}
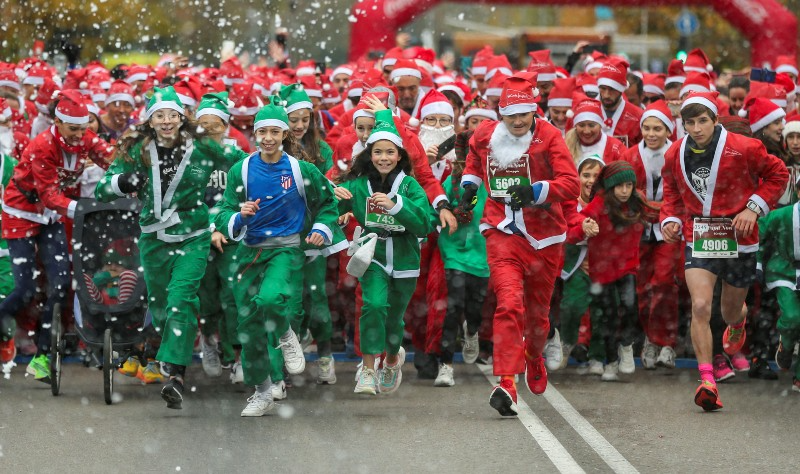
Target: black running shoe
{"x": 760, "y": 369}
{"x": 783, "y": 357}
{"x": 172, "y": 393}
{"x": 580, "y": 353}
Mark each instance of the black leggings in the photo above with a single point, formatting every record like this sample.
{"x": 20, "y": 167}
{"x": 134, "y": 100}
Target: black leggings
{"x": 615, "y": 314}
{"x": 465, "y": 294}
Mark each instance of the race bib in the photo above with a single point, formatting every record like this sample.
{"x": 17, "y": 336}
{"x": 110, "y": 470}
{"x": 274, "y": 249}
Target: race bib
{"x": 500, "y": 179}
{"x": 714, "y": 238}
{"x": 378, "y": 217}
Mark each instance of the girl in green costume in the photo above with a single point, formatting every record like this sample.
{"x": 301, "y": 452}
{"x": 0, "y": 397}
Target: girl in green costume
{"x": 168, "y": 164}
{"x": 386, "y": 200}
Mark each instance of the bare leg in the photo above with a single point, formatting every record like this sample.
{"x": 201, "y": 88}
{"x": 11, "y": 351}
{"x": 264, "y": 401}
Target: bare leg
{"x": 701, "y": 288}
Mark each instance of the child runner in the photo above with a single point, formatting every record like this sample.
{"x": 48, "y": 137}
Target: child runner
{"x": 169, "y": 165}
{"x": 273, "y": 201}
{"x": 723, "y": 182}
{"x": 387, "y": 200}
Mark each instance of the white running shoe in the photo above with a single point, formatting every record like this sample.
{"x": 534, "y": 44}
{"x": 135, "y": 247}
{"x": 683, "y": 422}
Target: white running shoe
{"x": 666, "y": 358}
{"x": 445, "y": 376}
{"x": 470, "y": 349}
{"x": 259, "y": 404}
{"x": 649, "y": 355}
{"x": 278, "y": 390}
{"x": 595, "y": 367}
{"x": 626, "y": 363}
{"x": 610, "y": 372}
{"x": 293, "y": 357}
{"x": 566, "y": 350}
{"x": 212, "y": 365}
{"x": 390, "y": 378}
{"x": 326, "y": 373}
{"x": 367, "y": 382}
{"x": 553, "y": 352}
{"x": 237, "y": 374}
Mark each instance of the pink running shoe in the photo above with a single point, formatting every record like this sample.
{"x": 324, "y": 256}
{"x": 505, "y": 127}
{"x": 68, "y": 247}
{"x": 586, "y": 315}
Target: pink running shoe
{"x": 740, "y": 362}
{"x": 722, "y": 371}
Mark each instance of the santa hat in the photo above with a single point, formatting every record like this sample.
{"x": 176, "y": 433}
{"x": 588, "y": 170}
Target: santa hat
{"x": 385, "y": 129}
{"x": 587, "y": 110}
{"x": 165, "y": 98}
{"x": 245, "y": 100}
{"x": 792, "y": 124}
{"x": 405, "y": 67}
{"x": 705, "y": 98}
{"x": 443, "y": 78}
{"x": 654, "y": 83}
{"x": 481, "y": 61}
{"x": 47, "y": 92}
{"x": 36, "y": 76}
{"x": 356, "y": 88}
{"x": 434, "y": 102}
{"x": 91, "y": 106}
{"x": 587, "y": 83}
{"x": 478, "y": 107}
{"x": 696, "y": 82}
{"x": 137, "y": 73}
{"x": 519, "y": 94}
{"x": 786, "y": 64}
{"x": 561, "y": 93}
{"x": 460, "y": 89}
{"x": 120, "y": 91}
{"x": 614, "y": 74}
{"x": 772, "y": 92}
{"x": 231, "y": 71}
{"x": 330, "y": 95}
{"x": 426, "y": 83}
{"x": 391, "y": 57}
{"x": 363, "y": 110}
{"x": 423, "y": 57}
{"x": 438, "y": 67}
{"x": 295, "y": 98}
{"x": 761, "y": 112}
{"x": 97, "y": 93}
{"x": 306, "y": 68}
{"x": 189, "y": 90}
{"x": 71, "y": 107}
{"x": 495, "y": 87}
{"x": 615, "y": 173}
{"x": 784, "y": 80}
{"x": 345, "y": 69}
{"x": 594, "y": 61}
{"x": 543, "y": 65}
{"x": 675, "y": 72}
{"x": 561, "y": 73}
{"x": 659, "y": 110}
{"x": 498, "y": 64}
{"x": 9, "y": 79}
{"x": 697, "y": 61}
{"x": 214, "y": 104}
{"x": 5, "y": 110}
{"x": 311, "y": 87}
{"x": 272, "y": 115}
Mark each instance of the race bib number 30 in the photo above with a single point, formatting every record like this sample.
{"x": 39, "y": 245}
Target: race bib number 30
{"x": 517, "y": 173}
{"x": 378, "y": 217}
{"x": 714, "y": 238}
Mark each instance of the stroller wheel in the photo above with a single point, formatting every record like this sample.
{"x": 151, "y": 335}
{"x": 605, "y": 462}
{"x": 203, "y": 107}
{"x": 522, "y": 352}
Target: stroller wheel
{"x": 108, "y": 366}
{"x": 56, "y": 349}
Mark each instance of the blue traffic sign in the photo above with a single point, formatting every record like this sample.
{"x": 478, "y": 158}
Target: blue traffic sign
{"x": 687, "y": 23}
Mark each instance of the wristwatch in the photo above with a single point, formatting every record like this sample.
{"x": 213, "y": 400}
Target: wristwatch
{"x": 753, "y": 206}
{"x": 444, "y": 204}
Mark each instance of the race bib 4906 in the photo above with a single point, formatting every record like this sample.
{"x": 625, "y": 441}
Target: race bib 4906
{"x": 714, "y": 238}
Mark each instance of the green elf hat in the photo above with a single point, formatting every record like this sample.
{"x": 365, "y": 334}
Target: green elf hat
{"x": 214, "y": 104}
{"x": 385, "y": 129}
{"x": 296, "y": 98}
{"x": 272, "y": 115}
{"x": 165, "y": 98}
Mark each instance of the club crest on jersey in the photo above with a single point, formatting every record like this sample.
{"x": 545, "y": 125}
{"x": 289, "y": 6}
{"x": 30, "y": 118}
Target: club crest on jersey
{"x": 286, "y": 181}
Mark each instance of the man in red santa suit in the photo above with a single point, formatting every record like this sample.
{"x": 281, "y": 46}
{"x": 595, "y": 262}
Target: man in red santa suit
{"x": 621, "y": 118}
{"x": 529, "y": 172}
{"x": 12, "y": 143}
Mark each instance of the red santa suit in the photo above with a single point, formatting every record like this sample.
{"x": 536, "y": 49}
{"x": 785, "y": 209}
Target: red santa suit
{"x": 624, "y": 121}
{"x": 524, "y": 247}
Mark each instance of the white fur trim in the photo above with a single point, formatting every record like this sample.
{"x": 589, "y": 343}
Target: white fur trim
{"x": 71, "y": 209}
{"x": 305, "y": 71}
{"x": 692, "y": 88}
{"x": 494, "y": 92}
{"x": 389, "y": 61}
{"x": 791, "y": 127}
{"x": 787, "y": 68}
{"x": 489, "y": 114}
{"x": 767, "y": 119}
{"x": 12, "y": 84}
{"x": 99, "y": 97}
{"x": 438, "y": 107}
{"x": 384, "y": 135}
{"x": 346, "y": 70}
{"x": 591, "y": 88}
{"x": 657, "y": 114}
{"x": 398, "y": 205}
{"x": 518, "y": 109}
{"x": 587, "y": 116}
{"x": 592, "y": 65}
{"x": 695, "y": 69}
{"x": 33, "y": 80}
{"x": 355, "y": 92}
{"x": 362, "y": 113}
{"x": 212, "y": 111}
{"x": 298, "y": 106}
{"x": 115, "y": 185}
{"x": 314, "y": 93}
{"x": 142, "y": 76}
{"x": 675, "y": 220}
{"x": 780, "y": 103}
{"x": 678, "y": 79}
{"x": 479, "y": 71}
{"x": 701, "y": 101}
{"x": 604, "y": 81}
{"x": 405, "y": 71}
{"x": 452, "y": 88}
{"x": 651, "y": 89}
{"x": 546, "y": 77}
{"x": 472, "y": 179}
{"x": 562, "y": 102}
{"x": 325, "y": 230}
{"x": 545, "y": 191}
{"x": 72, "y": 120}
{"x": 271, "y": 123}
{"x": 121, "y": 98}
{"x": 164, "y": 105}
{"x": 761, "y": 203}
{"x": 186, "y": 100}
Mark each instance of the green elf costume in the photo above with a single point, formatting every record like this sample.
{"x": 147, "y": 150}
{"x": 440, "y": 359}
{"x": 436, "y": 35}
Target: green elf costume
{"x": 389, "y": 281}
{"x": 312, "y": 310}
{"x": 175, "y": 227}
{"x": 7, "y": 164}
{"x": 296, "y": 201}
{"x": 778, "y": 266}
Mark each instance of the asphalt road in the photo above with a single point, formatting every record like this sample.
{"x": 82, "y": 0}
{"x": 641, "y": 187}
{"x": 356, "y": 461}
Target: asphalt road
{"x": 646, "y": 423}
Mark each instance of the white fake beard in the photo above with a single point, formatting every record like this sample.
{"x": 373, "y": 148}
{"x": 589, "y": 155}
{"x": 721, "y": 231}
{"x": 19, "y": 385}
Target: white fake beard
{"x": 505, "y": 148}
{"x": 436, "y": 136}
{"x": 6, "y": 140}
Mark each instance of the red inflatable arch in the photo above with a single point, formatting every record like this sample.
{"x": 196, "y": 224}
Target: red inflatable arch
{"x": 770, "y": 28}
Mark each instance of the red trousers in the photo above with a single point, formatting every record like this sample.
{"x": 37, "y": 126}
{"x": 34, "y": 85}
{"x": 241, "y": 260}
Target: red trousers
{"x": 523, "y": 280}
{"x": 658, "y": 291}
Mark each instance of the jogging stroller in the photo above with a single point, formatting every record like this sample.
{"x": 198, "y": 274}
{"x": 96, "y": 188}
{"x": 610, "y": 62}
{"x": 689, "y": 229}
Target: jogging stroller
{"x": 110, "y": 292}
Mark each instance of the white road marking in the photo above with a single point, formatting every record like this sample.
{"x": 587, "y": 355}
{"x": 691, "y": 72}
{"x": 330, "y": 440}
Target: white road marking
{"x": 593, "y": 438}
{"x": 553, "y": 448}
